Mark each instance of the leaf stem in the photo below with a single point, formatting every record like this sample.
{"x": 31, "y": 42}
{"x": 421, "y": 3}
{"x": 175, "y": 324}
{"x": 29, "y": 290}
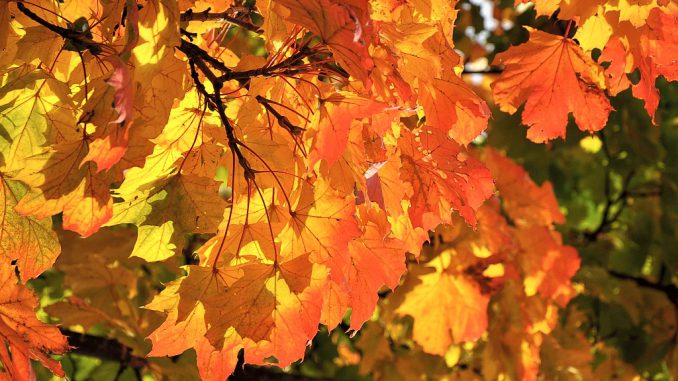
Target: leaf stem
{"x": 567, "y": 31}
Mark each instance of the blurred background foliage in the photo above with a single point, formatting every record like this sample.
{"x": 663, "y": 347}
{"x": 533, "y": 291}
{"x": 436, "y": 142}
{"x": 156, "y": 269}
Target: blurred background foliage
{"x": 617, "y": 188}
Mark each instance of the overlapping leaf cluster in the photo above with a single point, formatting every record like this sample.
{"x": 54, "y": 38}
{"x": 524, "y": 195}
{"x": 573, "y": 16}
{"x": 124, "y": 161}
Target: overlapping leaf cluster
{"x": 514, "y": 257}
{"x": 122, "y": 113}
{"x": 309, "y": 145}
{"x": 555, "y": 76}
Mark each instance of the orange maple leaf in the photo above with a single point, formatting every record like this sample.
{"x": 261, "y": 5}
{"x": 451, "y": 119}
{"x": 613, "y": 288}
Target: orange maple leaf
{"x": 447, "y": 306}
{"x": 553, "y": 77}
{"x": 22, "y": 336}
{"x": 58, "y": 185}
{"x": 524, "y": 201}
{"x": 441, "y": 177}
{"x": 337, "y": 113}
{"x": 341, "y": 27}
{"x": 452, "y": 106}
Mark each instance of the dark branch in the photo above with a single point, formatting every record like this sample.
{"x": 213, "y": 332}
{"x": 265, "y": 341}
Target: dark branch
{"x": 81, "y": 40}
{"x": 221, "y": 16}
{"x": 109, "y": 349}
{"x": 197, "y": 57}
{"x": 669, "y": 290}
{"x": 233, "y": 142}
{"x": 286, "y": 67}
{"x": 103, "y": 348}
{"x": 282, "y": 119}
{"x": 614, "y": 205}
{"x": 63, "y": 32}
{"x": 620, "y": 202}
{"x": 489, "y": 70}
{"x": 192, "y": 50}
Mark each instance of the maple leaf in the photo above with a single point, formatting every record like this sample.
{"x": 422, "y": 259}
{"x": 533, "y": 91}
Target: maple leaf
{"x": 184, "y": 131}
{"x": 632, "y": 36}
{"x": 514, "y": 345}
{"x": 525, "y": 202}
{"x": 615, "y": 74}
{"x": 322, "y": 223}
{"x": 108, "y": 147}
{"x": 28, "y": 240}
{"x": 270, "y": 308}
{"x": 441, "y": 177}
{"x": 185, "y": 203}
{"x": 553, "y": 77}
{"x": 452, "y": 106}
{"x": 340, "y": 27}
{"x": 281, "y": 313}
{"x": 334, "y": 122}
{"x": 22, "y": 335}
{"x": 57, "y": 185}
{"x": 30, "y": 117}
{"x": 652, "y": 57}
{"x": 377, "y": 260}
{"x": 548, "y": 264}
{"x": 447, "y": 307}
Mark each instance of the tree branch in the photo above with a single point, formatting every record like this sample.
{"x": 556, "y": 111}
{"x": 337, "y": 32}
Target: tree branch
{"x": 489, "y": 70}
{"x": 669, "y": 290}
{"x": 81, "y": 40}
{"x": 197, "y": 57}
{"x": 221, "y": 16}
{"x": 192, "y": 50}
{"x": 103, "y": 348}
{"x": 109, "y": 349}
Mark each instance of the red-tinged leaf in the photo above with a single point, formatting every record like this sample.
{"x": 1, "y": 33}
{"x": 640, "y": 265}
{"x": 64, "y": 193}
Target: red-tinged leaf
{"x": 526, "y": 203}
{"x": 340, "y": 26}
{"x": 441, "y": 177}
{"x": 273, "y": 310}
{"x": 384, "y": 186}
{"x": 22, "y": 336}
{"x": 217, "y": 364}
{"x": 29, "y": 241}
{"x": 296, "y": 322}
{"x": 655, "y": 56}
{"x": 337, "y": 113}
{"x": 553, "y": 77}
{"x": 107, "y": 150}
{"x": 173, "y": 337}
{"x": 451, "y": 105}
{"x": 121, "y": 81}
{"x": 377, "y": 260}
{"x": 615, "y": 75}
{"x": 548, "y": 264}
